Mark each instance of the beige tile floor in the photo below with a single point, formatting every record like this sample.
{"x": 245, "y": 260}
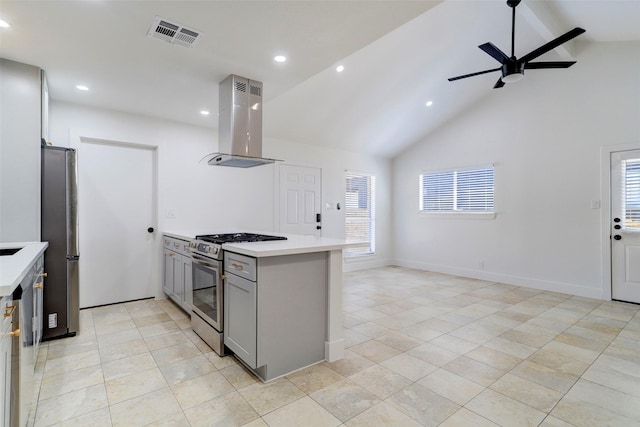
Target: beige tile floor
{"x": 423, "y": 349}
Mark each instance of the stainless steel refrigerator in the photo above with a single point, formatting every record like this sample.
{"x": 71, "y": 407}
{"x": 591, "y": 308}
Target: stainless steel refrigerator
{"x": 60, "y": 228}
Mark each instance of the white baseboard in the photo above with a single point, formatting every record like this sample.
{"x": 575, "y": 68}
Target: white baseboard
{"x": 529, "y": 282}
{"x": 364, "y": 264}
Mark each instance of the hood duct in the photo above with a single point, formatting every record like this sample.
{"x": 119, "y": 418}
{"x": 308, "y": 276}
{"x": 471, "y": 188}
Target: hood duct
{"x": 239, "y": 124}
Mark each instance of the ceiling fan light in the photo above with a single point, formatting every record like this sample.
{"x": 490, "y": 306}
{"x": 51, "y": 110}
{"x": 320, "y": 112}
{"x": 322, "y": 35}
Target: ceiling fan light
{"x": 512, "y": 78}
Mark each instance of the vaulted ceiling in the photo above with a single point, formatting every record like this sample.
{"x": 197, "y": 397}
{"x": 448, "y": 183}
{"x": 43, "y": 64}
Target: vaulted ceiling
{"x": 396, "y": 56}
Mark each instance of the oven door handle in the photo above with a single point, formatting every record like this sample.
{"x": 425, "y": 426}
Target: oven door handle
{"x": 202, "y": 261}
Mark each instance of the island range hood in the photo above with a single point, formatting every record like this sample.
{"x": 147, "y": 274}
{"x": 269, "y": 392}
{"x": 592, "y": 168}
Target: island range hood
{"x": 239, "y": 124}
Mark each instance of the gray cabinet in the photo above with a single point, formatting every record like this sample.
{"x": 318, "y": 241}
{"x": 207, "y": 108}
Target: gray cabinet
{"x": 20, "y": 132}
{"x": 38, "y": 283}
{"x": 177, "y": 280}
{"x": 5, "y": 361}
{"x": 275, "y": 311}
{"x": 240, "y": 318}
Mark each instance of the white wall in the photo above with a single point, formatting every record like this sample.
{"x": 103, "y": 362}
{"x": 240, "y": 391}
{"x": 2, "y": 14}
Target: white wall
{"x": 544, "y": 136}
{"x": 210, "y": 199}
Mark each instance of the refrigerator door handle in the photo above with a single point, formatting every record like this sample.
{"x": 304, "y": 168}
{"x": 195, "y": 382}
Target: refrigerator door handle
{"x": 72, "y": 200}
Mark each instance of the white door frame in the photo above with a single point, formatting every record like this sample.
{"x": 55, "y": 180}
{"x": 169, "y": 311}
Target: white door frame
{"x": 605, "y": 172}
{"x": 79, "y": 136}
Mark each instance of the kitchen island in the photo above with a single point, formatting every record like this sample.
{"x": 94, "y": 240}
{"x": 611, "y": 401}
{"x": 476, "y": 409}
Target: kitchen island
{"x": 283, "y": 302}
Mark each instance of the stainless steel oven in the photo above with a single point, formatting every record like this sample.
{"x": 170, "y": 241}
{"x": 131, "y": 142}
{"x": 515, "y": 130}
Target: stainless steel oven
{"x": 206, "y": 320}
{"x": 206, "y": 260}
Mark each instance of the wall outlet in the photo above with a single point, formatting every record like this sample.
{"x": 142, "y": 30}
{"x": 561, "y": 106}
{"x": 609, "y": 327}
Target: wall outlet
{"x": 53, "y": 320}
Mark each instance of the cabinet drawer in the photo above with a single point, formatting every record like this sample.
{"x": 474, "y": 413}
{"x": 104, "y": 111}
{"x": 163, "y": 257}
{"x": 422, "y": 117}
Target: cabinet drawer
{"x": 240, "y": 265}
{"x": 176, "y": 245}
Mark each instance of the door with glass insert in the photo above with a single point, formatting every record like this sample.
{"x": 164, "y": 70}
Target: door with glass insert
{"x": 625, "y": 226}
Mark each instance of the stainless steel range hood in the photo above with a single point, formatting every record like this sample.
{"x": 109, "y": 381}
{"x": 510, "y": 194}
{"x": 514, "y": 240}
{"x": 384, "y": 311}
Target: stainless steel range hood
{"x": 239, "y": 124}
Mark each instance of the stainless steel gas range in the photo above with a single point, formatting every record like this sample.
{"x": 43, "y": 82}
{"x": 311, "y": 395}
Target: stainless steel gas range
{"x": 207, "y": 258}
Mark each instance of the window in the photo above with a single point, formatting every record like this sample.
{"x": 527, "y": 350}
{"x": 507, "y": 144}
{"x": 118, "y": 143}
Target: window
{"x": 360, "y": 212}
{"x": 632, "y": 194}
{"x": 460, "y": 190}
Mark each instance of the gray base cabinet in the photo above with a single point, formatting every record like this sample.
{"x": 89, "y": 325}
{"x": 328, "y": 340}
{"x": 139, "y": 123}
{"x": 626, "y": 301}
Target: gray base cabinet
{"x": 240, "y": 318}
{"x": 177, "y": 281}
{"x": 5, "y": 361}
{"x": 276, "y": 311}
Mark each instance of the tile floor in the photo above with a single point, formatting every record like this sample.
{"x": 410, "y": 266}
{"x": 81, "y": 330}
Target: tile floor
{"x": 423, "y": 349}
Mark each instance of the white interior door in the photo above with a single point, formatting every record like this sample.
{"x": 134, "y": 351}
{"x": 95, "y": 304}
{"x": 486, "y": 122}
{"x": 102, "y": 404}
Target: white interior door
{"x": 300, "y": 195}
{"x": 625, "y": 225}
{"x": 116, "y": 207}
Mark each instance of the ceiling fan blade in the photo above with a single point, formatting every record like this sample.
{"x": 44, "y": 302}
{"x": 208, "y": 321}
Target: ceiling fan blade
{"x": 554, "y": 64}
{"x": 499, "y": 84}
{"x": 496, "y": 53}
{"x": 552, "y": 44}
{"x": 474, "y": 74}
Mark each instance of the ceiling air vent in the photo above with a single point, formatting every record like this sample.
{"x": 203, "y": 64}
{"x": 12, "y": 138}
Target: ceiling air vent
{"x": 173, "y": 33}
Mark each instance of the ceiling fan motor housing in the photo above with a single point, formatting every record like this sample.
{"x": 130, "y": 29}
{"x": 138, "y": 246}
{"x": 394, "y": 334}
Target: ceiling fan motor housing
{"x": 512, "y": 71}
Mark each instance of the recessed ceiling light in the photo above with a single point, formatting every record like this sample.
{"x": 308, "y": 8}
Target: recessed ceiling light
{"x": 82, "y": 87}
{"x": 429, "y": 103}
{"x": 340, "y": 68}
{"x": 4, "y": 24}
{"x": 280, "y": 58}
{"x": 204, "y": 112}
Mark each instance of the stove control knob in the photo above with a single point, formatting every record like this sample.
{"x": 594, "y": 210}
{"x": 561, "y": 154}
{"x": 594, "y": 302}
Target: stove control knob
{"x": 215, "y": 251}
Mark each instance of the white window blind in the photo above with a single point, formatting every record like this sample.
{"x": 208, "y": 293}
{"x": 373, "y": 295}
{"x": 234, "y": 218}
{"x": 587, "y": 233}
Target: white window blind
{"x": 360, "y": 212}
{"x": 632, "y": 194}
{"x": 460, "y": 190}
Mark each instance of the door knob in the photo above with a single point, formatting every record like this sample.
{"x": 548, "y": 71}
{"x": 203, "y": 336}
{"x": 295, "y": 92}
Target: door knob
{"x": 617, "y": 227}
{"x": 318, "y": 227}
{"x": 616, "y": 219}
{"x": 150, "y": 229}
{"x": 617, "y": 237}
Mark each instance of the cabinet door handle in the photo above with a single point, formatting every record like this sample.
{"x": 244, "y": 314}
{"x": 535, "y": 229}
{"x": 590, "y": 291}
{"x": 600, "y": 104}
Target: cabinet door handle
{"x": 38, "y": 285}
{"x": 236, "y": 266}
{"x": 8, "y": 310}
{"x": 15, "y": 333}
{"x": 42, "y": 275}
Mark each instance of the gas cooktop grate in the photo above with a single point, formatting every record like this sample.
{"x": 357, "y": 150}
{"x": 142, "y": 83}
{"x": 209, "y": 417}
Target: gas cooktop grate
{"x": 237, "y": 238}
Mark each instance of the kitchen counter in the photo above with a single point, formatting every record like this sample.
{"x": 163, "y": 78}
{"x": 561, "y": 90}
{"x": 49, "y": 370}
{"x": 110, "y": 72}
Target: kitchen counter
{"x": 288, "y": 249}
{"x": 13, "y": 268}
{"x": 295, "y": 244}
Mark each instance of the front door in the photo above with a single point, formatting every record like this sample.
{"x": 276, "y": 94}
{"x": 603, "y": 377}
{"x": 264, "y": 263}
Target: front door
{"x": 625, "y": 226}
{"x": 300, "y": 190}
{"x": 116, "y": 205}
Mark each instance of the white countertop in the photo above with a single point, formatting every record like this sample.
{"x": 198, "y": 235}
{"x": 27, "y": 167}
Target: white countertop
{"x": 295, "y": 244}
{"x": 14, "y": 268}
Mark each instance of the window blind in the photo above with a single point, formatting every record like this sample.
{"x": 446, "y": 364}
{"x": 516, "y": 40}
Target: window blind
{"x": 632, "y": 194}
{"x": 460, "y": 190}
{"x": 360, "y": 212}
